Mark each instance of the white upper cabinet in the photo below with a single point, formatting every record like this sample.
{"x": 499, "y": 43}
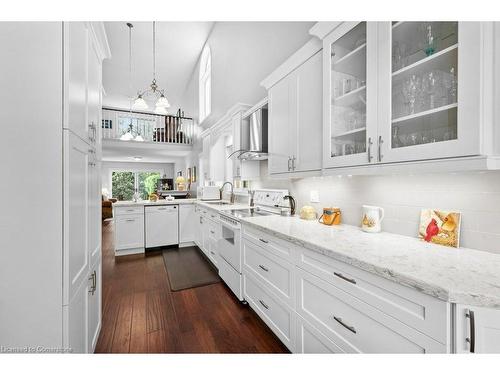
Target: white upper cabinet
{"x": 308, "y": 150}
{"x": 295, "y": 108}
{"x": 350, "y": 94}
{"x": 280, "y": 122}
{"x": 407, "y": 91}
{"x": 429, "y": 90}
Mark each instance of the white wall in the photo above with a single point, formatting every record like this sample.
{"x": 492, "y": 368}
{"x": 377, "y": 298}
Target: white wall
{"x": 108, "y": 167}
{"x": 243, "y": 54}
{"x": 475, "y": 194}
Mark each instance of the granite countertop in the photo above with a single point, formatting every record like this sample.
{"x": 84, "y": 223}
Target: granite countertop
{"x": 161, "y": 202}
{"x": 461, "y": 275}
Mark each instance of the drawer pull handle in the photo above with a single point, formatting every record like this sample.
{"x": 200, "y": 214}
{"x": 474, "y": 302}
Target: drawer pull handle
{"x": 130, "y": 220}
{"x": 211, "y": 252}
{"x": 162, "y": 209}
{"x": 263, "y": 304}
{"x": 262, "y": 240}
{"x": 350, "y": 328}
{"x": 264, "y": 268}
{"x": 472, "y": 322}
{"x": 130, "y": 210}
{"x": 212, "y": 232}
{"x": 352, "y": 281}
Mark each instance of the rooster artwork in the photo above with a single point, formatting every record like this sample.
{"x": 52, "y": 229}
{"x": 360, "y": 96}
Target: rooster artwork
{"x": 440, "y": 227}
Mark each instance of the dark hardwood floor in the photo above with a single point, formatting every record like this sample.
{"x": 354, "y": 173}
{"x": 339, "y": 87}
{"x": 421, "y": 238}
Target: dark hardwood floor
{"x": 142, "y": 315}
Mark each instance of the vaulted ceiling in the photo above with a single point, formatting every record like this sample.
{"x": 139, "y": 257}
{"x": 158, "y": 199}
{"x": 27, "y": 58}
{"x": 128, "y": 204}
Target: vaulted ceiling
{"x": 178, "y": 48}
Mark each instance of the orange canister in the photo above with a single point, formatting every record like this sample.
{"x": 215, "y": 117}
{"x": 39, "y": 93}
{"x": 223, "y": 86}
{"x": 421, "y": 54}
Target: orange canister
{"x": 331, "y": 216}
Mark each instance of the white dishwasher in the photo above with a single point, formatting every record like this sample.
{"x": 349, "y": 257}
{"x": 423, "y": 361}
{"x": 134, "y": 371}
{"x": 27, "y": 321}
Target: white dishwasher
{"x": 162, "y": 225}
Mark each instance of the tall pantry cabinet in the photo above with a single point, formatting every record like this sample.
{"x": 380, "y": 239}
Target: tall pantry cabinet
{"x": 50, "y": 292}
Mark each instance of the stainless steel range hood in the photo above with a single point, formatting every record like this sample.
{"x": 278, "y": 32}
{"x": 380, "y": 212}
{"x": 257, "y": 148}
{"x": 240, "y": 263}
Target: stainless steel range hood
{"x": 256, "y": 138}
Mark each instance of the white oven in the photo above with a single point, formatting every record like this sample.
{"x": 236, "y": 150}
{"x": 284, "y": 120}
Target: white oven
{"x": 229, "y": 247}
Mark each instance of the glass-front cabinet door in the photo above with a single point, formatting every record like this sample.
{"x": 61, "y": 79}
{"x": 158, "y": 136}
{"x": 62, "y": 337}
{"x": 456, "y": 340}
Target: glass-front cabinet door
{"x": 350, "y": 102}
{"x": 429, "y": 90}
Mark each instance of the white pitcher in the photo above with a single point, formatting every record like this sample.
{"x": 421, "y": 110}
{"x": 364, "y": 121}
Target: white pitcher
{"x": 372, "y": 218}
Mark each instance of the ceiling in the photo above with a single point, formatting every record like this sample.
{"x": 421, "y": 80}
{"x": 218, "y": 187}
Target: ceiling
{"x": 116, "y": 150}
{"x": 176, "y": 58}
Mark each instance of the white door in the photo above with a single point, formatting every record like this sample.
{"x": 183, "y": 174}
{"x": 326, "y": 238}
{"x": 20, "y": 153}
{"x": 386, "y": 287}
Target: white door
{"x": 129, "y": 232}
{"x": 281, "y": 125}
{"x": 76, "y": 215}
{"x": 350, "y": 94}
{"x": 429, "y": 92}
{"x": 76, "y": 319}
{"x": 94, "y": 305}
{"x": 188, "y": 223}
{"x": 308, "y": 143}
{"x": 76, "y": 64}
{"x": 162, "y": 225}
{"x": 477, "y": 329}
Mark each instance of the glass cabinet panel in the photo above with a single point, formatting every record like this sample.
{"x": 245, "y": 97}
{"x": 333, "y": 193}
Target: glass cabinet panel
{"x": 348, "y": 93}
{"x": 424, "y": 83}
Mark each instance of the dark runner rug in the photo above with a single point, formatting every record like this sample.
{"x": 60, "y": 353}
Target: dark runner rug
{"x": 187, "y": 268}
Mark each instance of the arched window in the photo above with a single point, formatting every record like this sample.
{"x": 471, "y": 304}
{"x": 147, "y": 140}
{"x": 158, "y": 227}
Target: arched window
{"x": 205, "y": 83}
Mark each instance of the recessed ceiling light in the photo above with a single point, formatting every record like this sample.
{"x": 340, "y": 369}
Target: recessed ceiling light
{"x": 137, "y": 158}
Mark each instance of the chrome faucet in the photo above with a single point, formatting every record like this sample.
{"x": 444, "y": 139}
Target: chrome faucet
{"x": 231, "y": 199}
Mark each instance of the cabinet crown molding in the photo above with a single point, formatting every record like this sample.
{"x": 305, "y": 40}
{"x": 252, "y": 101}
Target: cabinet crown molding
{"x": 322, "y": 29}
{"x": 293, "y": 62}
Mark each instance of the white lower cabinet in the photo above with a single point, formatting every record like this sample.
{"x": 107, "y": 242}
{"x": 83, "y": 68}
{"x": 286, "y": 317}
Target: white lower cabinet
{"x": 275, "y": 273}
{"x": 75, "y": 320}
{"x": 94, "y": 305}
{"x": 187, "y": 226}
{"x": 213, "y": 229}
{"x": 355, "y": 324}
{"x": 274, "y": 312}
{"x": 311, "y": 341}
{"x": 477, "y": 329}
{"x": 335, "y": 307}
{"x": 129, "y": 233}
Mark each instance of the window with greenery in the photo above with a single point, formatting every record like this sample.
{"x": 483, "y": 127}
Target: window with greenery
{"x": 147, "y": 183}
{"x": 124, "y": 184}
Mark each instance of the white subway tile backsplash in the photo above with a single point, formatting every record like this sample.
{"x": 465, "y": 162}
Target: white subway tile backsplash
{"x": 475, "y": 194}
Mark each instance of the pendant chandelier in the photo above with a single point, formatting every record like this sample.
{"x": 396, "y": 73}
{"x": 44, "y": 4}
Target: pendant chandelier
{"x": 130, "y": 134}
{"x": 153, "y": 91}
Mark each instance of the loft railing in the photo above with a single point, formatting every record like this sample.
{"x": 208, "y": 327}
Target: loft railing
{"x": 165, "y": 129}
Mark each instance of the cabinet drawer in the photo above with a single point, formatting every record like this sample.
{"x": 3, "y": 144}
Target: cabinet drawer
{"x": 272, "y": 244}
{"x": 311, "y": 341}
{"x": 130, "y": 210}
{"x": 274, "y": 272}
{"x": 363, "y": 328}
{"x": 278, "y": 316}
{"x": 129, "y": 232}
{"x": 213, "y": 230}
{"x": 420, "y": 311}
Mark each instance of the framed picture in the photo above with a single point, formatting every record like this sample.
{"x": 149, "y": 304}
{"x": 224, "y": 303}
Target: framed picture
{"x": 107, "y": 124}
{"x": 188, "y": 175}
{"x": 193, "y": 177}
{"x": 440, "y": 227}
